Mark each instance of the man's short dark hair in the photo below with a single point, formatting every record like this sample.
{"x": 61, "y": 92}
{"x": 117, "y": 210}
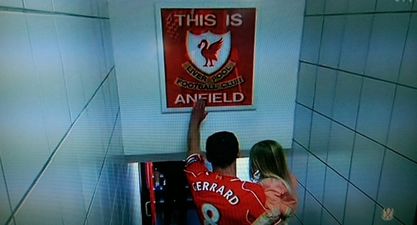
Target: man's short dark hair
{"x": 222, "y": 149}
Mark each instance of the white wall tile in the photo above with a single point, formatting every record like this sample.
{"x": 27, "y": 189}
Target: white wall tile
{"x": 300, "y": 209}
{"x": 378, "y": 218}
{"x": 72, "y": 184}
{"x": 389, "y": 5}
{"x": 97, "y": 214}
{"x": 117, "y": 141}
{"x": 99, "y": 8}
{"x": 107, "y": 110}
{"x": 384, "y": 59}
{"x": 403, "y": 128}
{"x": 331, "y": 40}
{"x": 113, "y": 97}
{"x": 69, "y": 42}
{"x": 340, "y": 149}
{"x": 335, "y": 191}
{"x": 314, "y": 7}
{"x": 48, "y": 66}
{"x": 103, "y": 8}
{"x": 295, "y": 221}
{"x": 39, "y": 4}
{"x": 108, "y": 45}
{"x": 346, "y": 99}
{"x": 73, "y": 39}
{"x": 102, "y": 111}
{"x": 327, "y": 219}
{"x": 306, "y": 83}
{"x": 299, "y": 162}
{"x": 86, "y": 146}
{"x": 399, "y": 175}
{"x": 20, "y": 108}
{"x": 97, "y": 49}
{"x": 325, "y": 89}
{"x": 336, "y": 6}
{"x": 107, "y": 186}
{"x": 315, "y": 177}
{"x": 355, "y": 215}
{"x": 355, "y": 43}
{"x": 5, "y": 211}
{"x": 408, "y": 66}
{"x": 310, "y": 44}
{"x": 374, "y": 110}
{"x": 94, "y": 7}
{"x": 82, "y": 7}
{"x": 361, "y": 5}
{"x": 89, "y": 51}
{"x": 101, "y": 208}
{"x": 312, "y": 211}
{"x": 11, "y": 3}
{"x": 43, "y": 205}
{"x": 366, "y": 165}
{"x": 319, "y": 137}
{"x": 302, "y": 125}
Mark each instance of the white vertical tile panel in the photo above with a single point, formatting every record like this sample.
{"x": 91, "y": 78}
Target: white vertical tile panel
{"x": 43, "y": 205}
{"x": 108, "y": 45}
{"x": 325, "y": 90}
{"x": 48, "y": 66}
{"x": 355, "y": 43}
{"x": 82, "y": 7}
{"x": 386, "y": 45}
{"x": 314, "y": 7}
{"x": 39, "y": 4}
{"x": 403, "y": 128}
{"x": 375, "y": 109}
{"x": 11, "y": 3}
{"x": 366, "y": 165}
{"x": 69, "y": 42}
{"x": 310, "y": 44}
{"x": 319, "y": 136}
{"x": 340, "y": 149}
{"x": 71, "y": 187}
{"x": 306, "y": 81}
{"x": 335, "y": 194}
{"x": 315, "y": 177}
{"x": 312, "y": 211}
{"x": 346, "y": 100}
{"x": 399, "y": 175}
{"x": 408, "y": 64}
{"x": 21, "y": 119}
{"x": 4, "y": 200}
{"x": 361, "y": 5}
{"x": 302, "y": 125}
{"x": 336, "y": 6}
{"x": 358, "y": 215}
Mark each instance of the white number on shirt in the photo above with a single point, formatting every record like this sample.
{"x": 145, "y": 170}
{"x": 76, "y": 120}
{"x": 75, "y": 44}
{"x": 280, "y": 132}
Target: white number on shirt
{"x": 211, "y": 214}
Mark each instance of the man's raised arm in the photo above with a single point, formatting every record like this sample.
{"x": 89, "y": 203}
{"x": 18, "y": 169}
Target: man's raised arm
{"x": 198, "y": 114}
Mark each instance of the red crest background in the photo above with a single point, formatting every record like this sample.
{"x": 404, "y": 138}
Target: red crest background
{"x": 175, "y": 53}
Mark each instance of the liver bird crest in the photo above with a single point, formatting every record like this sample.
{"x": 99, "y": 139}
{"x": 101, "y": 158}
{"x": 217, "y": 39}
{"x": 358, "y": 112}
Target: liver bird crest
{"x": 210, "y": 51}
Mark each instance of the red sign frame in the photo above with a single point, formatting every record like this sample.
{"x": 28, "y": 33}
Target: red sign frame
{"x": 208, "y": 53}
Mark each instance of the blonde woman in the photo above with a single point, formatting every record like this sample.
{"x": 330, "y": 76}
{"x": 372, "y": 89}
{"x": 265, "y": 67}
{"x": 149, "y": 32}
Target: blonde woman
{"x": 268, "y": 166}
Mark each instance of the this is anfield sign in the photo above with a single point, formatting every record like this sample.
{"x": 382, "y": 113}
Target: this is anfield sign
{"x": 208, "y": 53}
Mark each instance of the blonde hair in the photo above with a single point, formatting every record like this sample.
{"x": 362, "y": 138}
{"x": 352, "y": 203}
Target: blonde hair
{"x": 268, "y": 157}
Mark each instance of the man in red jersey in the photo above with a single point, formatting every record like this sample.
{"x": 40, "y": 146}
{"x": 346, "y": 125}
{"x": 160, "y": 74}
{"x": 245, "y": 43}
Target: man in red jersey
{"x": 221, "y": 198}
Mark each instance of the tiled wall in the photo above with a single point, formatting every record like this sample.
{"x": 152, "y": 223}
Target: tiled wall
{"x": 59, "y": 115}
{"x": 355, "y": 134}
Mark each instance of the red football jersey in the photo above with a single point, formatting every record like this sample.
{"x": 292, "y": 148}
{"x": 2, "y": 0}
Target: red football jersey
{"x": 223, "y": 200}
